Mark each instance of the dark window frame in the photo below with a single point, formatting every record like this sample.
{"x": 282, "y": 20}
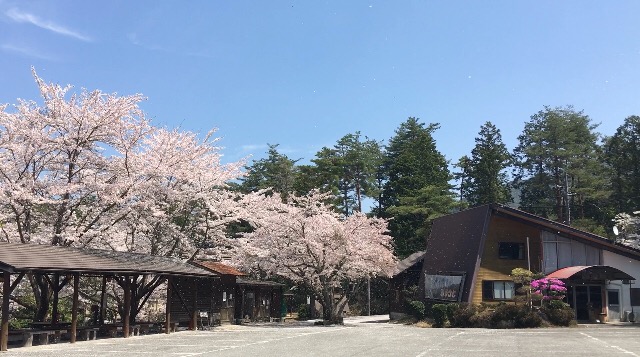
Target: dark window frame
{"x": 511, "y": 251}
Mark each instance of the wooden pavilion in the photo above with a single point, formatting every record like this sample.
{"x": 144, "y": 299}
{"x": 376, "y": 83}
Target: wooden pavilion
{"x": 138, "y": 275}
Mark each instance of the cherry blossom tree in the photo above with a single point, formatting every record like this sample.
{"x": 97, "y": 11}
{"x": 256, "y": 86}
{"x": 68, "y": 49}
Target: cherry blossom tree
{"x": 628, "y": 229}
{"x": 89, "y": 170}
{"x": 310, "y": 244}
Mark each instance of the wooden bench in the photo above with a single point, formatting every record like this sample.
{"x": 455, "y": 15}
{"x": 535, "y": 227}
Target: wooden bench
{"x": 173, "y": 326}
{"x": 112, "y": 330}
{"x": 25, "y": 336}
{"x": 147, "y": 327}
{"x": 87, "y": 333}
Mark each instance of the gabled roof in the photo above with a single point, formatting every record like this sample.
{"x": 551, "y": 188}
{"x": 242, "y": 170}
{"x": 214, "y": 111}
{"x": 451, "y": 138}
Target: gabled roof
{"x": 18, "y": 257}
{"x": 408, "y": 262}
{"x": 565, "y": 229}
{"x": 218, "y": 267}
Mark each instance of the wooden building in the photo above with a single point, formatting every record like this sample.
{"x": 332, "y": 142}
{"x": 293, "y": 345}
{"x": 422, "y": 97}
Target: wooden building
{"x": 224, "y": 291}
{"x": 406, "y": 275}
{"x": 137, "y": 274}
{"x": 259, "y": 300}
{"x": 236, "y": 298}
{"x": 470, "y": 255}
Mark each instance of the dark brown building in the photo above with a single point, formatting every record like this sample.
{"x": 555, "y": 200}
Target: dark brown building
{"x": 239, "y": 299}
{"x": 470, "y": 255}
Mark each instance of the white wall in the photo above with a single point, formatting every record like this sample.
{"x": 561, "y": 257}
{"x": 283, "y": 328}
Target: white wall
{"x": 629, "y": 266}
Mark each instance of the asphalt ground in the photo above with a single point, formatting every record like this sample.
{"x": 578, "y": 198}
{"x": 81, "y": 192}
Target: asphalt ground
{"x": 358, "y": 337}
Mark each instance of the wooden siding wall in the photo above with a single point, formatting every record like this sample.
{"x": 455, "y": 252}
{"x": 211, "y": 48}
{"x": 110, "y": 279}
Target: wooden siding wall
{"x": 226, "y": 308}
{"x": 198, "y": 292}
{"x": 494, "y": 268}
{"x": 254, "y": 309}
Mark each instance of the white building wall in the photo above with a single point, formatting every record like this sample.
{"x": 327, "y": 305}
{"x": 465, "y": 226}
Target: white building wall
{"x": 629, "y": 266}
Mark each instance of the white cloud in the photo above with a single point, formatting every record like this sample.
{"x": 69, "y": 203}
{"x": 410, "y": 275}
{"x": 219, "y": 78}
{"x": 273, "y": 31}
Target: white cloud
{"x": 252, "y": 147}
{"x": 29, "y": 52}
{"x": 24, "y": 17}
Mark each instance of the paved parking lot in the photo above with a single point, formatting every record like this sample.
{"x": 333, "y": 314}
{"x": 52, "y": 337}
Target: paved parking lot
{"x": 358, "y": 338}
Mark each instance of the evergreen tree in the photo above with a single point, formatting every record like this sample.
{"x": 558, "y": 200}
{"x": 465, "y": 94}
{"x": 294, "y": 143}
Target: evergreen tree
{"x": 485, "y": 180}
{"x": 623, "y": 157}
{"x": 277, "y": 172}
{"x": 462, "y": 176}
{"x": 417, "y": 189}
{"x": 349, "y": 170}
{"x": 559, "y": 171}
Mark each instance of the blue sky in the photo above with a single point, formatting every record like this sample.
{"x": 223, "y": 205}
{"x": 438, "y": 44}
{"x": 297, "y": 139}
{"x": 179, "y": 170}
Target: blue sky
{"x": 302, "y": 74}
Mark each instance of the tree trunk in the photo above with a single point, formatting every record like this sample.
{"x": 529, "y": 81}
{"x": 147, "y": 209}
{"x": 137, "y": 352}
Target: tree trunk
{"x": 42, "y": 294}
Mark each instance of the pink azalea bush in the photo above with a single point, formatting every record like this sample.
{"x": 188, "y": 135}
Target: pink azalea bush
{"x": 549, "y": 288}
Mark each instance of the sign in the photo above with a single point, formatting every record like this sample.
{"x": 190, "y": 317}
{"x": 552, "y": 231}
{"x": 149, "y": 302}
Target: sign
{"x": 443, "y": 287}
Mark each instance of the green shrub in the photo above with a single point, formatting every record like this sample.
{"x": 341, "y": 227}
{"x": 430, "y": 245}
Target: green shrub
{"x": 482, "y": 318}
{"x": 514, "y": 316}
{"x": 559, "y": 314}
{"x": 451, "y": 310}
{"x": 463, "y": 315}
{"x": 416, "y": 309}
{"x": 439, "y": 312}
{"x": 531, "y": 319}
{"x": 304, "y": 312}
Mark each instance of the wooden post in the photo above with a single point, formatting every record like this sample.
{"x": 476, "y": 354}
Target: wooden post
{"x": 74, "y": 308}
{"x": 56, "y": 289}
{"x": 194, "y": 311}
{"x": 4, "y": 330}
{"x": 103, "y": 301}
{"x": 127, "y": 306}
{"x": 167, "y": 318}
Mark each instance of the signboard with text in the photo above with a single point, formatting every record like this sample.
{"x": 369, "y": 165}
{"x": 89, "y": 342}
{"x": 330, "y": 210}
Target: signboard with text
{"x": 443, "y": 287}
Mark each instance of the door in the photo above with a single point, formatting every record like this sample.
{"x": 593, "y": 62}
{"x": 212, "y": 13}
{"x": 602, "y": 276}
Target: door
{"x": 613, "y": 305}
{"x": 582, "y": 303}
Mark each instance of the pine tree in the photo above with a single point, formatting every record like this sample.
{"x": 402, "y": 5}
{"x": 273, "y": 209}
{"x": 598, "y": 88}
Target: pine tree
{"x": 485, "y": 179}
{"x": 622, "y": 154}
{"x": 417, "y": 189}
{"x": 348, "y": 169}
{"x": 277, "y": 172}
{"x": 559, "y": 172}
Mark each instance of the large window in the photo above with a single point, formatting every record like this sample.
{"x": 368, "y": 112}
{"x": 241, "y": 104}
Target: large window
{"x": 507, "y": 250}
{"x": 560, "y": 252}
{"x": 498, "y": 290}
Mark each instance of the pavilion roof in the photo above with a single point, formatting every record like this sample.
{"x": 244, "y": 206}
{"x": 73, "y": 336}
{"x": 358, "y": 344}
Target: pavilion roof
{"x": 18, "y": 257}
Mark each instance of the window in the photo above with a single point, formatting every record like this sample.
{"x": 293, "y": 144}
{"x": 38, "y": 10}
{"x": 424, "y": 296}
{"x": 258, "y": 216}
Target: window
{"x": 498, "y": 290}
{"x": 560, "y": 252}
{"x": 510, "y": 250}
{"x": 635, "y": 296}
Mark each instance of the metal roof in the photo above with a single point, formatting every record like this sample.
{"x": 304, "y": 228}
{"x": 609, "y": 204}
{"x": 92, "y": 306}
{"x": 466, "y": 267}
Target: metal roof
{"x": 590, "y": 273}
{"x": 409, "y": 261}
{"x": 18, "y": 257}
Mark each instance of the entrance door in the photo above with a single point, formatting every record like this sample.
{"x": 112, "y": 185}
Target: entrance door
{"x": 586, "y": 300}
{"x": 613, "y": 304}
{"x": 582, "y": 303}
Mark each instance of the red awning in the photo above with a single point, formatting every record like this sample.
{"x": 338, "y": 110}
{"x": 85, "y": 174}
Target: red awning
{"x": 590, "y": 273}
